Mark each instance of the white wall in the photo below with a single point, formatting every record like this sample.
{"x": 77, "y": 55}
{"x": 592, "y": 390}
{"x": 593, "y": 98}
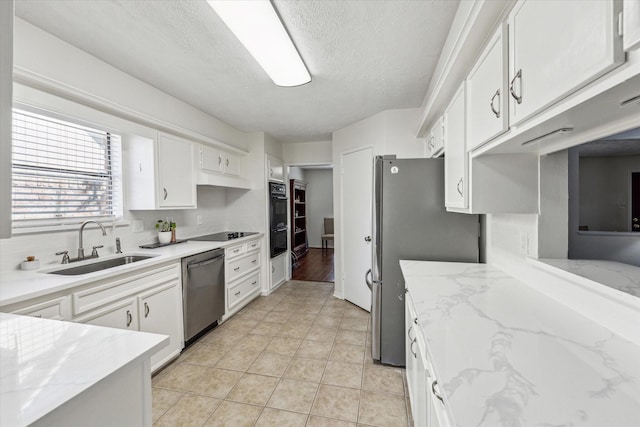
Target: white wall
{"x": 318, "y": 152}
{"x": 296, "y": 172}
{"x": 319, "y": 203}
{"x": 388, "y": 132}
{"x": 605, "y": 192}
{"x": 586, "y": 245}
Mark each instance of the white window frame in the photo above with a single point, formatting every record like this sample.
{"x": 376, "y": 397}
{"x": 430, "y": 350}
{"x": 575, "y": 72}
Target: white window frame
{"x": 59, "y": 224}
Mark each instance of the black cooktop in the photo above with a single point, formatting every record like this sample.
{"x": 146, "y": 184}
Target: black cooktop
{"x": 224, "y": 236}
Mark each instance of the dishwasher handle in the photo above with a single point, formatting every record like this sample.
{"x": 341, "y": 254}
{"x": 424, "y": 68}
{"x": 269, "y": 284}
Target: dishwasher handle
{"x": 203, "y": 263}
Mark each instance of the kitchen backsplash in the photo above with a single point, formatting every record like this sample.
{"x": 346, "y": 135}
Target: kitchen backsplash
{"x": 219, "y": 208}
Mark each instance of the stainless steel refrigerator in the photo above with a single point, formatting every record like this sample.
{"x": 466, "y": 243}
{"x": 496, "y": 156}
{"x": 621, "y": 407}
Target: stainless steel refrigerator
{"x": 410, "y": 222}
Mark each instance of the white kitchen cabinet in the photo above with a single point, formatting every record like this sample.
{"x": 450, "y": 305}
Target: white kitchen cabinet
{"x": 456, "y": 157}
{"x": 55, "y": 308}
{"x": 175, "y": 172}
{"x": 218, "y": 161}
{"x": 275, "y": 169}
{"x": 631, "y": 24}
{"x": 278, "y": 271}
{"x": 148, "y": 300}
{"x": 243, "y": 263}
{"x": 435, "y": 143}
{"x": 159, "y": 173}
{"x": 120, "y": 315}
{"x": 558, "y": 47}
{"x": 487, "y": 98}
{"x": 160, "y": 312}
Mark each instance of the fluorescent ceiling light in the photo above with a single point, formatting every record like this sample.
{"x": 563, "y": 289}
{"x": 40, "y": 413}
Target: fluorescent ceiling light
{"x": 257, "y": 25}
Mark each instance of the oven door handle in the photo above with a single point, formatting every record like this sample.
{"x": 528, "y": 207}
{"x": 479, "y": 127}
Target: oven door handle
{"x": 203, "y": 263}
{"x": 280, "y": 229}
{"x": 279, "y": 197}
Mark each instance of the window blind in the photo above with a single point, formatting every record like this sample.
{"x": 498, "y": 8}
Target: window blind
{"x": 63, "y": 172}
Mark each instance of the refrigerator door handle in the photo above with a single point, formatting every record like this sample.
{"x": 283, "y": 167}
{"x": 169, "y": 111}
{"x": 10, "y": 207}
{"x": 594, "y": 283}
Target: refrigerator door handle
{"x": 366, "y": 279}
{"x": 375, "y": 320}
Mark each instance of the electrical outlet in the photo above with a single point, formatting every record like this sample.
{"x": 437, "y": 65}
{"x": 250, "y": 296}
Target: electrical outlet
{"x": 198, "y": 219}
{"x": 137, "y": 226}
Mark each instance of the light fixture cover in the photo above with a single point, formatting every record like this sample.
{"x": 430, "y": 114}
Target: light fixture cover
{"x": 257, "y": 25}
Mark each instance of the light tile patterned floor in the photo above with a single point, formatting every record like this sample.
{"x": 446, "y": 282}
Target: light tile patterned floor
{"x": 299, "y": 357}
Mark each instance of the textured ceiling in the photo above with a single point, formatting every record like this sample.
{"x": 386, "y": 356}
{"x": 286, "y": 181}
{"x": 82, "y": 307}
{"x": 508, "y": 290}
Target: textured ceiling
{"x": 364, "y": 56}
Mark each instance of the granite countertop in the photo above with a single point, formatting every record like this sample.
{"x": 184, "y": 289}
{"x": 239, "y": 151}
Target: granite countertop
{"x": 506, "y": 354}
{"x": 45, "y": 363}
{"x": 17, "y": 285}
{"x": 616, "y": 275}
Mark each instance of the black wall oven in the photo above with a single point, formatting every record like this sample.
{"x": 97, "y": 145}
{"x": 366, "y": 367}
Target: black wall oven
{"x": 278, "y": 218}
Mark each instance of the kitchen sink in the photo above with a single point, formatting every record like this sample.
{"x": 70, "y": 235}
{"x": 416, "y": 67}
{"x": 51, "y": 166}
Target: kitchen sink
{"x": 100, "y": 265}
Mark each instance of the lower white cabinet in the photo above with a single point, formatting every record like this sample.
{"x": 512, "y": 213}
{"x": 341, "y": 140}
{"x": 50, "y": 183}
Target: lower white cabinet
{"x": 121, "y": 315}
{"x": 148, "y": 301}
{"x": 159, "y": 313}
{"x": 278, "y": 271}
{"x": 243, "y": 263}
{"x": 427, "y": 405}
{"x": 55, "y": 308}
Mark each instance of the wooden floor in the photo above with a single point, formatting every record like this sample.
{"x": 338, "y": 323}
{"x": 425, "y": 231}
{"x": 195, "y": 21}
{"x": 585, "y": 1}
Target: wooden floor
{"x": 317, "y": 266}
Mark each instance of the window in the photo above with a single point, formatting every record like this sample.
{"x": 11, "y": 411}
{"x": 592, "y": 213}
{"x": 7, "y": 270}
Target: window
{"x": 63, "y": 172}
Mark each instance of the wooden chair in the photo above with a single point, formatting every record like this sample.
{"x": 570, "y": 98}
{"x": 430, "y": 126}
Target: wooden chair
{"x": 328, "y": 233}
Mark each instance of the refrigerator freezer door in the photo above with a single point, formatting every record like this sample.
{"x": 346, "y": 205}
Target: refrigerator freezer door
{"x": 414, "y": 224}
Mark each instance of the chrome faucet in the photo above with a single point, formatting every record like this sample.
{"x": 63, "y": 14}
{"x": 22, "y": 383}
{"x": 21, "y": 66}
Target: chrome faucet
{"x": 81, "y": 248}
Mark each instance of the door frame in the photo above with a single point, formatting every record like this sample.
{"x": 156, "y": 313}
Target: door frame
{"x": 339, "y": 241}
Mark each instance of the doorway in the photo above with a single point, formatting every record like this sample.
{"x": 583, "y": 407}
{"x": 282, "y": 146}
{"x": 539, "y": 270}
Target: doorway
{"x": 311, "y": 206}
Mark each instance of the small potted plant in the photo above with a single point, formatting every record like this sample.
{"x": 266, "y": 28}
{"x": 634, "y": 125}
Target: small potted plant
{"x": 166, "y": 230}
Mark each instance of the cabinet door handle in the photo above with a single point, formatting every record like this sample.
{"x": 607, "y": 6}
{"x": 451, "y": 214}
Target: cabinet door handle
{"x": 165, "y": 193}
{"x": 409, "y": 332}
{"x": 219, "y": 160}
{"x": 493, "y": 98}
{"x": 129, "y": 318}
{"x": 227, "y": 162}
{"x": 273, "y": 269}
{"x": 237, "y": 293}
{"x": 411, "y": 348}
{"x": 435, "y": 393}
{"x": 254, "y": 282}
{"x": 270, "y": 172}
{"x": 254, "y": 261}
{"x": 146, "y": 310}
{"x": 512, "y": 90}
{"x": 236, "y": 269}
{"x": 460, "y": 186}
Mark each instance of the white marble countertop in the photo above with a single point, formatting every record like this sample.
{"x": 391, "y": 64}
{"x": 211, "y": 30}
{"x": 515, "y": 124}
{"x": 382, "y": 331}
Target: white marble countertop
{"x": 17, "y": 285}
{"x": 45, "y": 363}
{"x": 507, "y": 355}
{"x": 616, "y": 275}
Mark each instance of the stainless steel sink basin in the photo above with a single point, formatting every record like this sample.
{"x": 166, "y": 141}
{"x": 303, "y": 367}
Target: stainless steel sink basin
{"x": 100, "y": 265}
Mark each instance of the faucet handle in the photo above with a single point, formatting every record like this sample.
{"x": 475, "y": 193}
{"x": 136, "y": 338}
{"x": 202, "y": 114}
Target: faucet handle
{"x": 95, "y": 250}
{"x": 65, "y": 258}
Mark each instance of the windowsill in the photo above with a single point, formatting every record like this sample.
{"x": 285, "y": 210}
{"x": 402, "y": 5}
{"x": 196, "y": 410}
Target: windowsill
{"x": 64, "y": 227}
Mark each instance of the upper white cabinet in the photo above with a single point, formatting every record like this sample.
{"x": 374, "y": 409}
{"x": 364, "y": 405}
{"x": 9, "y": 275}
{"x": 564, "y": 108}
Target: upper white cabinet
{"x": 556, "y": 47}
{"x": 214, "y": 160}
{"x": 455, "y": 161}
{"x": 631, "y": 24}
{"x": 159, "y": 173}
{"x": 175, "y": 172}
{"x": 275, "y": 169}
{"x": 435, "y": 142}
{"x": 487, "y": 98}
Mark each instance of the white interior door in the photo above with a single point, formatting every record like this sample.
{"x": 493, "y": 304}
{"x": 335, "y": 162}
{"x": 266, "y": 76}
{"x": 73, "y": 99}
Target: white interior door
{"x": 357, "y": 192}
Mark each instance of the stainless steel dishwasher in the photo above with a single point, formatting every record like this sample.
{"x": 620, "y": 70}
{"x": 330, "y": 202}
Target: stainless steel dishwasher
{"x": 202, "y": 292}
